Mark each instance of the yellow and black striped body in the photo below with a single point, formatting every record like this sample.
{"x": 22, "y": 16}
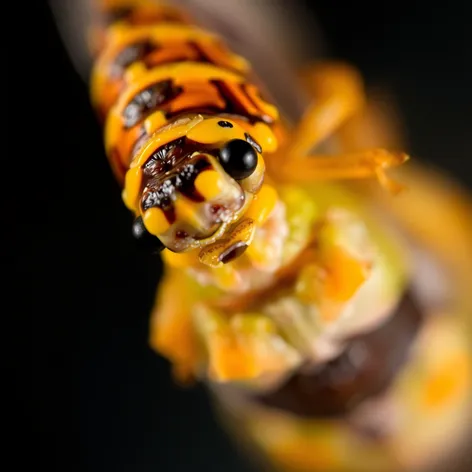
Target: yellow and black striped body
{"x": 172, "y": 96}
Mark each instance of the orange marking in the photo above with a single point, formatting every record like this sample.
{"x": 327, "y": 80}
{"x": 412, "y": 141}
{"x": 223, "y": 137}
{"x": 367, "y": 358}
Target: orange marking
{"x": 239, "y": 98}
{"x": 270, "y": 111}
{"x": 450, "y": 380}
{"x": 218, "y": 54}
{"x": 126, "y": 141}
{"x": 171, "y": 53}
{"x": 195, "y": 95}
{"x": 344, "y": 275}
{"x": 306, "y": 454}
{"x": 109, "y": 93}
{"x": 118, "y": 168}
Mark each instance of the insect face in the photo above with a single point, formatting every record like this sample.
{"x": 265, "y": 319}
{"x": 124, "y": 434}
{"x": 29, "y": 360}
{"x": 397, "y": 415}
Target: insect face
{"x": 197, "y": 186}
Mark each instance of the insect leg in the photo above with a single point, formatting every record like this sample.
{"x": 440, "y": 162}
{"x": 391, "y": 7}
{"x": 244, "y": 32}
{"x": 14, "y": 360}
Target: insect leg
{"x": 358, "y": 165}
{"x": 337, "y": 93}
{"x": 338, "y": 97}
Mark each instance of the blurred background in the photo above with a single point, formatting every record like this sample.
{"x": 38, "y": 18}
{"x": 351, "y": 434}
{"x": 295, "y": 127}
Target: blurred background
{"x": 96, "y": 397}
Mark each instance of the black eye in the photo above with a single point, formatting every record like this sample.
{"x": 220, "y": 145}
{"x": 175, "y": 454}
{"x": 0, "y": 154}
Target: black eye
{"x": 238, "y": 158}
{"x": 145, "y": 239}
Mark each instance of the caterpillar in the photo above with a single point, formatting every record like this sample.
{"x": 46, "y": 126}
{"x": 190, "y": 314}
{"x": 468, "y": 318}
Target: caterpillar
{"x": 281, "y": 289}
{"x": 186, "y": 130}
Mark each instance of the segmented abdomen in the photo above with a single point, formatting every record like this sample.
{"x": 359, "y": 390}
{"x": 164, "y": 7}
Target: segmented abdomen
{"x": 154, "y": 66}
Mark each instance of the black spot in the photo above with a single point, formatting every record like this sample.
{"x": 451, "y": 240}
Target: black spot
{"x": 128, "y": 55}
{"x": 148, "y": 100}
{"x": 233, "y": 252}
{"x": 238, "y": 158}
{"x": 225, "y": 124}
{"x": 253, "y": 143}
{"x": 146, "y": 241}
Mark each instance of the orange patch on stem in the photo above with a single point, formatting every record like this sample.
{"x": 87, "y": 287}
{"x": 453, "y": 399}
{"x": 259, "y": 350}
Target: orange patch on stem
{"x": 344, "y": 275}
{"x": 447, "y": 382}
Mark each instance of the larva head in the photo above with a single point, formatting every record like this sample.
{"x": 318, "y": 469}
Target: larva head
{"x": 191, "y": 185}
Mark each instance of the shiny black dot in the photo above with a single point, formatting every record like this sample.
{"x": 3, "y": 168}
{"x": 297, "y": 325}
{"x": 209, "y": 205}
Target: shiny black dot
{"x": 238, "y": 158}
{"x": 225, "y": 124}
{"x": 146, "y": 241}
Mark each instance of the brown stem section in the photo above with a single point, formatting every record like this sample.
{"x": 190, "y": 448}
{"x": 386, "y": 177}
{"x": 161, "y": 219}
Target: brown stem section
{"x": 366, "y": 368}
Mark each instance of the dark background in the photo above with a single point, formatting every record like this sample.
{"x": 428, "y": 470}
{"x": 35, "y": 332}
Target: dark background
{"x": 96, "y": 397}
